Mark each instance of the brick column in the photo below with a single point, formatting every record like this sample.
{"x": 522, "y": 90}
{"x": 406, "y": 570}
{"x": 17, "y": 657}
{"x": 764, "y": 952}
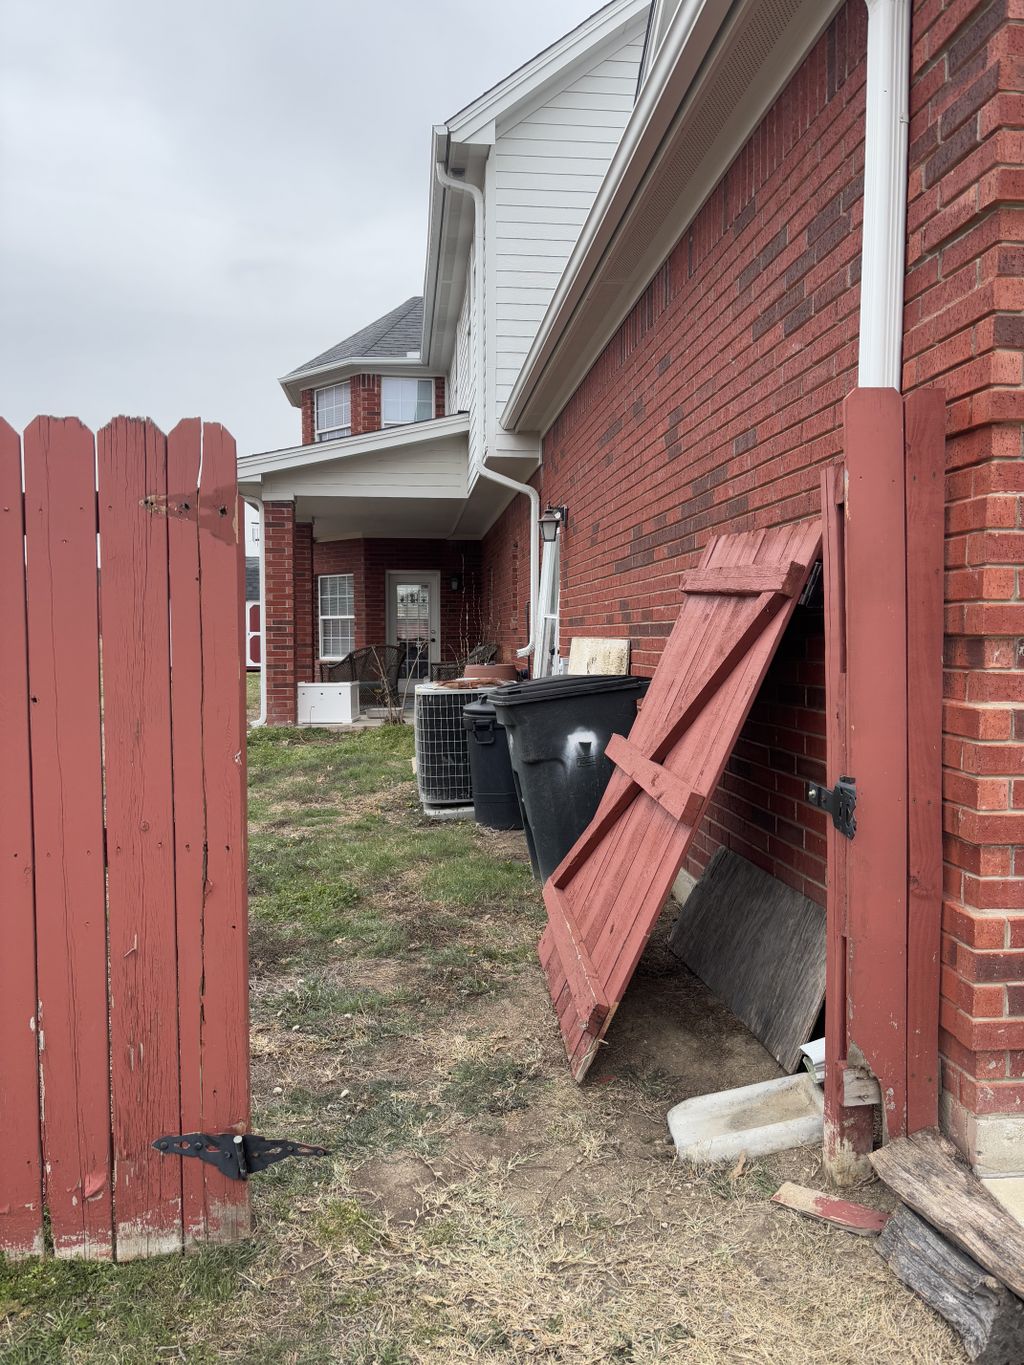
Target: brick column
{"x": 365, "y": 396}
{"x": 279, "y": 611}
{"x": 308, "y": 433}
{"x": 305, "y": 605}
{"x": 439, "y": 396}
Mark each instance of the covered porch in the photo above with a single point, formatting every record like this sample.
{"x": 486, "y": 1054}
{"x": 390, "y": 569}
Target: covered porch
{"x": 371, "y": 542}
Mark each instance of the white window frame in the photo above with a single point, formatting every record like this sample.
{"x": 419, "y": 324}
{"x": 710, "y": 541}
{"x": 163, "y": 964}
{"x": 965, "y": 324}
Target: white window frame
{"x": 323, "y": 431}
{"x": 391, "y": 381}
{"x": 323, "y": 616}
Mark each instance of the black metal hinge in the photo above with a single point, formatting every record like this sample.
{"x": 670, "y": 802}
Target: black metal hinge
{"x": 840, "y": 802}
{"x": 238, "y": 1156}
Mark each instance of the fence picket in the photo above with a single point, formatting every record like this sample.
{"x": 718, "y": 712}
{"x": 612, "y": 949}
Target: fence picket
{"x": 21, "y": 1204}
{"x": 225, "y": 1042}
{"x": 132, "y": 476}
{"x": 67, "y": 803}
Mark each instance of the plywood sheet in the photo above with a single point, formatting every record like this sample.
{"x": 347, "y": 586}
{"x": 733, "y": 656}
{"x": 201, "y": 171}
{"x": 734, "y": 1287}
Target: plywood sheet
{"x": 592, "y": 655}
{"x": 760, "y": 946}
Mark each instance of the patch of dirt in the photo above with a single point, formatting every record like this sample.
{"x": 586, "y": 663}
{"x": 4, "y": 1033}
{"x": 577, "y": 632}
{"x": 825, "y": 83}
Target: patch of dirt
{"x": 395, "y": 1186}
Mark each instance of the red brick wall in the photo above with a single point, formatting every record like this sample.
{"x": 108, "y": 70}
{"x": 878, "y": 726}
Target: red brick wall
{"x": 711, "y": 410}
{"x": 302, "y": 568}
{"x": 505, "y": 577}
{"x": 720, "y": 395}
{"x": 279, "y": 611}
{"x": 365, "y": 392}
{"x": 439, "y": 396}
{"x": 965, "y": 292}
{"x": 308, "y": 423}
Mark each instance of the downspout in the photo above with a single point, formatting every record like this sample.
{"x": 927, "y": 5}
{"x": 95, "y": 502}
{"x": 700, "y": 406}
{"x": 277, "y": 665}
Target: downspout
{"x": 883, "y": 241}
{"x": 257, "y": 505}
{"x": 483, "y": 426}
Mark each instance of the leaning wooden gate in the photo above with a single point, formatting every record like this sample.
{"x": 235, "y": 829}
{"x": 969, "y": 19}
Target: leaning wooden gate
{"x": 123, "y": 970}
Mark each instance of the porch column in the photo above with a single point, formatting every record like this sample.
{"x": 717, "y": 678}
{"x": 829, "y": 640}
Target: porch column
{"x": 279, "y": 611}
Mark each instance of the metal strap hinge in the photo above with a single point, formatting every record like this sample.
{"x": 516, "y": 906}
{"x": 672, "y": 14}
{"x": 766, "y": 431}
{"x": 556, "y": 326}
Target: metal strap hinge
{"x": 238, "y": 1156}
{"x": 840, "y": 802}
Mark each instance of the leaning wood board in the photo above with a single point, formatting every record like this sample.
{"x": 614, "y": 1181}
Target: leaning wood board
{"x": 604, "y": 898}
{"x": 927, "y": 1175}
{"x": 760, "y": 947}
{"x": 988, "y": 1317}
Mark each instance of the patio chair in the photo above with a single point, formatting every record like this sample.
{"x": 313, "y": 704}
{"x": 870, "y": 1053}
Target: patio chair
{"x": 454, "y": 668}
{"x": 374, "y": 667}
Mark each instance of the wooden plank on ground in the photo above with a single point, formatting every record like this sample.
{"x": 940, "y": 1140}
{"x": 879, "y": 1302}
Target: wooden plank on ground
{"x": 67, "y": 807}
{"x": 21, "y": 1188}
{"x": 184, "y": 449}
{"x": 760, "y": 947}
{"x": 132, "y": 470}
{"x": 619, "y": 874}
{"x": 927, "y": 1175}
{"x": 925, "y": 439}
{"x": 225, "y": 1006}
{"x": 982, "y": 1310}
{"x": 838, "y": 1213}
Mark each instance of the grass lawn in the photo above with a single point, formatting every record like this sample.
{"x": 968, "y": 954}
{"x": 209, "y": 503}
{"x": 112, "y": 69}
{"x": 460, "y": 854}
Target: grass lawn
{"x": 478, "y": 1205}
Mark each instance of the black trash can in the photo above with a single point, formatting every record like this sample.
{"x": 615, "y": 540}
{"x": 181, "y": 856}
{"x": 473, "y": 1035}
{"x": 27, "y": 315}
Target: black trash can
{"x": 495, "y": 803}
{"x": 558, "y": 730}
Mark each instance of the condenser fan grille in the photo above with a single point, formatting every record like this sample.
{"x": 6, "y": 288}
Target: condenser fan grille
{"x": 442, "y": 754}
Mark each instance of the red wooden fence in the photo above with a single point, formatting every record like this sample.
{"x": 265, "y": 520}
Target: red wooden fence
{"x": 123, "y": 972}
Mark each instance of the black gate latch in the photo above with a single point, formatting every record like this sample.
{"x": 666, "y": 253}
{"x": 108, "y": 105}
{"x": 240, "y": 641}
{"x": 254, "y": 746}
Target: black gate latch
{"x": 236, "y": 1156}
{"x": 840, "y": 803}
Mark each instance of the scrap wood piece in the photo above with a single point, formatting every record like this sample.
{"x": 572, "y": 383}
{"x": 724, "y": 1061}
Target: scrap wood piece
{"x": 927, "y": 1175}
{"x": 760, "y": 947}
{"x": 989, "y": 1319}
{"x": 618, "y": 876}
{"x": 839, "y": 1213}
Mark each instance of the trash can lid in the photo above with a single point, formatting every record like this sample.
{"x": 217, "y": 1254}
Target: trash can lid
{"x": 480, "y": 709}
{"x": 554, "y": 689}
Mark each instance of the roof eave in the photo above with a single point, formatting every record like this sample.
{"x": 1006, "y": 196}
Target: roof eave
{"x": 317, "y": 376}
{"x": 253, "y": 466}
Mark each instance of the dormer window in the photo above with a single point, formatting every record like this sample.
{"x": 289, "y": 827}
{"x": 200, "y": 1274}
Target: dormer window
{"x": 333, "y": 412}
{"x": 406, "y": 400}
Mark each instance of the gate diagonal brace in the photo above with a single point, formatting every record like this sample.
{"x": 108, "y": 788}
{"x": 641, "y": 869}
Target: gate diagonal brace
{"x": 238, "y": 1156}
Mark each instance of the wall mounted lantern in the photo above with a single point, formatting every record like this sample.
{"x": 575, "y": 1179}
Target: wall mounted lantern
{"x": 553, "y": 520}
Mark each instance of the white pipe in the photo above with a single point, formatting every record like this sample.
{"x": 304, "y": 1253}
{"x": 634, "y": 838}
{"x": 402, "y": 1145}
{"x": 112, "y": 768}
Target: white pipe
{"x": 257, "y": 505}
{"x": 883, "y": 242}
{"x": 483, "y": 418}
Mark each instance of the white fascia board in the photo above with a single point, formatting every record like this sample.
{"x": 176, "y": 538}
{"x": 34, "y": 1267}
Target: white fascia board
{"x": 472, "y": 121}
{"x": 345, "y": 447}
{"x": 295, "y": 384}
{"x": 697, "y": 42}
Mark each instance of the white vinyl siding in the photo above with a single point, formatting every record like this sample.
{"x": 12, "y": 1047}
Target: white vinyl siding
{"x": 544, "y": 173}
{"x": 406, "y": 400}
{"x": 332, "y": 412}
{"x": 337, "y": 615}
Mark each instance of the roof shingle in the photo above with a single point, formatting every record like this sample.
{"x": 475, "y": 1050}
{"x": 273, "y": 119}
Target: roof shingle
{"x": 395, "y": 334}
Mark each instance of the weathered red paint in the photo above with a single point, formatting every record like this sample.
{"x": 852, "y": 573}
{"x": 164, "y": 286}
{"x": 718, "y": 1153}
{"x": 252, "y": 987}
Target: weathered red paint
{"x": 225, "y": 999}
{"x": 132, "y": 470}
{"x": 606, "y": 895}
{"x": 67, "y": 806}
{"x": 21, "y": 1205}
{"x": 925, "y": 438}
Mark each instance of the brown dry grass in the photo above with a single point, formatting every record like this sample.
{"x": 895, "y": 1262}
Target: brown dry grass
{"x": 479, "y": 1206}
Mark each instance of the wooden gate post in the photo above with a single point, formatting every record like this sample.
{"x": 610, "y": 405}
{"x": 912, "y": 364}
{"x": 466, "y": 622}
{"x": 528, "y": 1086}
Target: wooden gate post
{"x": 883, "y": 571}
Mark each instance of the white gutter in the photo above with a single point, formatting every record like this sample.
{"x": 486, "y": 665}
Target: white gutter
{"x": 883, "y": 243}
{"x": 261, "y": 719}
{"x": 485, "y": 420}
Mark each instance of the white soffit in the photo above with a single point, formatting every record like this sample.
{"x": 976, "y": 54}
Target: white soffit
{"x": 649, "y": 200}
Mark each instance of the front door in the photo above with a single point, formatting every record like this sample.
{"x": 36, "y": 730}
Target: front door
{"x": 414, "y": 621}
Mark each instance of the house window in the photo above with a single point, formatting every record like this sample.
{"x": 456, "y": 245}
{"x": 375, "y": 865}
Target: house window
{"x": 333, "y": 412}
{"x": 406, "y": 400}
{"x": 337, "y": 615}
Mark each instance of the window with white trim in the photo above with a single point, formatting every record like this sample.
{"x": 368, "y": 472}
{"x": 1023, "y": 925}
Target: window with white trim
{"x": 332, "y": 412}
{"x": 337, "y": 615}
{"x": 405, "y": 400}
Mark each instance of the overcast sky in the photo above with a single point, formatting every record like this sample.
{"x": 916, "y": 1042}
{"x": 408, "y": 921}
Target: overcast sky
{"x": 197, "y": 196}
